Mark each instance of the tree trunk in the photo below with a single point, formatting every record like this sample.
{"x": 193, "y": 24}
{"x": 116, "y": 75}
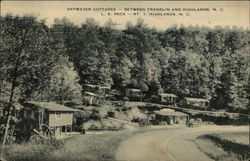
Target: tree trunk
{"x": 13, "y": 86}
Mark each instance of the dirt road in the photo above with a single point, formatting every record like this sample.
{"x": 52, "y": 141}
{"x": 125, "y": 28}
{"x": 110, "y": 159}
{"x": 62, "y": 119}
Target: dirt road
{"x": 170, "y": 144}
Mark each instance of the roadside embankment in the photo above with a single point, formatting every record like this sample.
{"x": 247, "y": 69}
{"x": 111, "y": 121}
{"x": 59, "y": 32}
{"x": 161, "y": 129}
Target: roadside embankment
{"x": 225, "y": 146}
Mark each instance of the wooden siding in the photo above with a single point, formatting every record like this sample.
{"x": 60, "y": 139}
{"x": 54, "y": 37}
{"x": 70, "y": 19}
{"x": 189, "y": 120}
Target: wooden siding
{"x": 60, "y": 118}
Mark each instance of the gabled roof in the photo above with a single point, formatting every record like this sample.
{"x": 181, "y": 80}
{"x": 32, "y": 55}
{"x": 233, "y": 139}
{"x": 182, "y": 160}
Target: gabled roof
{"x": 168, "y": 95}
{"x": 51, "y": 106}
{"x": 196, "y": 99}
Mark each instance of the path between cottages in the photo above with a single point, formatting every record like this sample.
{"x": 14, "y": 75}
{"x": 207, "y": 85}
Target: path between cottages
{"x": 169, "y": 144}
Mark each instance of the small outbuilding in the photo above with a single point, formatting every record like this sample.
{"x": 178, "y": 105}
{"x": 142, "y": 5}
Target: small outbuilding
{"x": 196, "y": 103}
{"x": 168, "y": 98}
{"x": 90, "y": 98}
{"x": 168, "y": 116}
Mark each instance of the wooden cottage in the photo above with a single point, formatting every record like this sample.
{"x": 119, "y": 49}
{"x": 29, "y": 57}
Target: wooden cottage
{"x": 196, "y": 103}
{"x": 167, "y": 116}
{"x": 134, "y": 94}
{"x": 90, "y": 98}
{"x": 53, "y": 118}
{"x": 104, "y": 90}
{"x": 97, "y": 89}
{"x": 168, "y": 98}
{"x": 90, "y": 88}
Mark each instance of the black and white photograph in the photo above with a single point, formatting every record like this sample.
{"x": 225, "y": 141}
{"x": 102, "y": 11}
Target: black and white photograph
{"x": 124, "y": 80}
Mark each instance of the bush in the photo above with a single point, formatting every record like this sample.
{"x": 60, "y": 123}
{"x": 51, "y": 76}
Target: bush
{"x": 125, "y": 99}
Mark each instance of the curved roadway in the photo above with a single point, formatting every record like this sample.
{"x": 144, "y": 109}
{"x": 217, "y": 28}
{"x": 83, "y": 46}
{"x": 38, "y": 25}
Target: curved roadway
{"x": 169, "y": 144}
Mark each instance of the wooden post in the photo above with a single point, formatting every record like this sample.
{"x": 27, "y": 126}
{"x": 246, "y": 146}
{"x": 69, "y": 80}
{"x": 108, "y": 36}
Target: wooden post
{"x": 39, "y": 119}
{"x": 90, "y": 101}
{"x": 141, "y": 96}
{"x": 85, "y": 100}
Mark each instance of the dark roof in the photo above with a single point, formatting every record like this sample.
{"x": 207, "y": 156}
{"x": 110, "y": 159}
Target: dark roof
{"x": 170, "y": 113}
{"x": 51, "y": 106}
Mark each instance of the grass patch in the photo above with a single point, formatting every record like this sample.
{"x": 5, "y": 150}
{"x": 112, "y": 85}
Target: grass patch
{"x": 78, "y": 148}
{"x": 225, "y": 146}
{"x": 91, "y": 147}
{"x": 31, "y": 151}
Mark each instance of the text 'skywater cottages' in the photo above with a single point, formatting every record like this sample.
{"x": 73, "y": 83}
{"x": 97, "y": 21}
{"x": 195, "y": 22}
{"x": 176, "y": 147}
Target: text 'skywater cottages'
{"x": 54, "y": 119}
{"x": 168, "y": 116}
{"x": 168, "y": 98}
{"x": 196, "y": 103}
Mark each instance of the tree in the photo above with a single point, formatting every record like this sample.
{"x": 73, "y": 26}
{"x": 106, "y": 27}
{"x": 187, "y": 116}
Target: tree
{"x": 31, "y": 55}
{"x": 91, "y": 51}
{"x": 63, "y": 85}
{"x": 27, "y": 57}
{"x": 140, "y": 44}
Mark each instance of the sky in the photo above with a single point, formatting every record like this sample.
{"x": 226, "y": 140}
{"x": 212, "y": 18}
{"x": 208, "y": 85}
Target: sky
{"x": 229, "y": 13}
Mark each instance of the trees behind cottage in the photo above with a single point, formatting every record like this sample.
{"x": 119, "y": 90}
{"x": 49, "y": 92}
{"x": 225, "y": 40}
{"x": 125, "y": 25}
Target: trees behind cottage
{"x": 187, "y": 61}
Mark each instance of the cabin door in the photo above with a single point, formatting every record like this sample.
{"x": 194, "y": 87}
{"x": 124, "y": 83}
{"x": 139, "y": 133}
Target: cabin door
{"x": 57, "y": 131}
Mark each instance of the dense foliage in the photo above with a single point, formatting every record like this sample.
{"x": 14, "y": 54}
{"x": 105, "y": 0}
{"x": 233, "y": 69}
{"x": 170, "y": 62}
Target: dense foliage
{"x": 187, "y": 61}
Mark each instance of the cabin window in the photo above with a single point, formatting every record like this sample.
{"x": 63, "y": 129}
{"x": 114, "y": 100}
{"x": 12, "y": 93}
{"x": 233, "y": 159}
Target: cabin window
{"x": 64, "y": 129}
{"x": 58, "y": 115}
{"x": 25, "y": 114}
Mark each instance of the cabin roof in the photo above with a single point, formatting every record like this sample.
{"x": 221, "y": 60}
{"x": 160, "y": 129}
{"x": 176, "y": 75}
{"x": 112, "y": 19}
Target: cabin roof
{"x": 170, "y": 113}
{"x": 91, "y": 85}
{"x": 168, "y": 94}
{"x": 104, "y": 87}
{"x": 90, "y": 93}
{"x": 134, "y": 90}
{"x": 196, "y": 99}
{"x": 51, "y": 106}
